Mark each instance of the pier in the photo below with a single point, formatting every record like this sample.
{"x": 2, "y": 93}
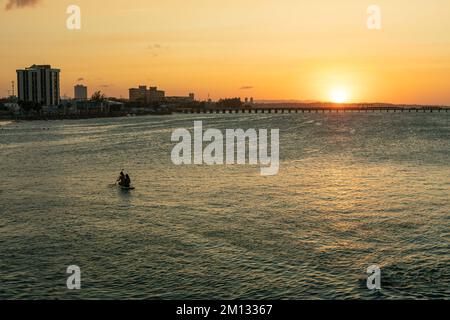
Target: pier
{"x": 285, "y": 110}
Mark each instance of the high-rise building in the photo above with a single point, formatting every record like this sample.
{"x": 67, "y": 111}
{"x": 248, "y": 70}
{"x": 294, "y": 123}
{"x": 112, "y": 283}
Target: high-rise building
{"x": 80, "y": 92}
{"x": 39, "y": 84}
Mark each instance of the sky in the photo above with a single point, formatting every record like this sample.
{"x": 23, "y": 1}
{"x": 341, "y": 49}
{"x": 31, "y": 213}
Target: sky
{"x": 266, "y": 49}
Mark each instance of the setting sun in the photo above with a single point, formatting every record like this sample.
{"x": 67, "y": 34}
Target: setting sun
{"x": 339, "y": 95}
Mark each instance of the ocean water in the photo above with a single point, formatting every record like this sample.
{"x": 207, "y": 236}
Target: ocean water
{"x": 353, "y": 190}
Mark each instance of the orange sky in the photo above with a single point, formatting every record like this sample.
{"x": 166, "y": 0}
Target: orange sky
{"x": 285, "y": 49}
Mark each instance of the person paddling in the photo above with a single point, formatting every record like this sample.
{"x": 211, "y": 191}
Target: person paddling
{"x": 121, "y": 179}
{"x": 127, "y": 181}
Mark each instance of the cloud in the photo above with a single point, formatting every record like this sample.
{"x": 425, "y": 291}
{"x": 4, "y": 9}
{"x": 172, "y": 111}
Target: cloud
{"x": 246, "y": 88}
{"x": 21, "y": 4}
{"x": 157, "y": 49}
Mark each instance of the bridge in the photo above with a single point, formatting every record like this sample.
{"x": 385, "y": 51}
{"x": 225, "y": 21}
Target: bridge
{"x": 282, "y": 110}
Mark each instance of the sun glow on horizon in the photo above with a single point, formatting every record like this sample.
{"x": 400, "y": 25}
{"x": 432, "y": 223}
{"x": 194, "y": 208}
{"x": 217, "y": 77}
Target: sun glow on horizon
{"x": 339, "y": 95}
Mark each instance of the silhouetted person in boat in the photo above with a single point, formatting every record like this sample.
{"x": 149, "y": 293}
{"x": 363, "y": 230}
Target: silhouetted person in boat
{"x": 127, "y": 181}
{"x": 121, "y": 179}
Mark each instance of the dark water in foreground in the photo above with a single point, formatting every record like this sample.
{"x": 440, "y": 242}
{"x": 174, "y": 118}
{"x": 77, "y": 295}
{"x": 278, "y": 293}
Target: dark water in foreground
{"x": 353, "y": 190}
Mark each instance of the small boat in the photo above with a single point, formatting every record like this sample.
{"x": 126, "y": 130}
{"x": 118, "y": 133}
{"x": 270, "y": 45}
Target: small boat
{"x": 126, "y": 188}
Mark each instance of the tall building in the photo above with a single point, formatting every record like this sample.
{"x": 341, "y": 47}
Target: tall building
{"x": 39, "y": 84}
{"x": 146, "y": 95}
{"x": 80, "y": 92}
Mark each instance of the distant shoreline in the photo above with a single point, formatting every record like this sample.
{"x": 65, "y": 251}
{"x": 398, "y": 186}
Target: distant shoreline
{"x": 54, "y": 118}
{"x": 6, "y": 122}
{"x": 257, "y": 108}
{"x": 58, "y": 117}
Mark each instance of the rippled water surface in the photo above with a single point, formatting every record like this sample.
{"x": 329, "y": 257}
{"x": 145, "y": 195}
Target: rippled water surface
{"x": 353, "y": 190}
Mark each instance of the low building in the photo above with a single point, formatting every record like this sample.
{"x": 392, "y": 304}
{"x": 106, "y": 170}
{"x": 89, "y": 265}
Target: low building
{"x": 175, "y": 99}
{"x": 142, "y": 94}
